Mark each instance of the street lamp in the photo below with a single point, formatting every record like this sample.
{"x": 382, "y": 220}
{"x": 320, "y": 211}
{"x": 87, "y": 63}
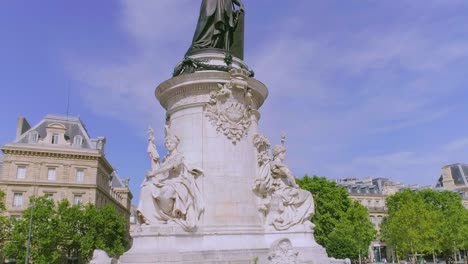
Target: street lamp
{"x": 28, "y": 245}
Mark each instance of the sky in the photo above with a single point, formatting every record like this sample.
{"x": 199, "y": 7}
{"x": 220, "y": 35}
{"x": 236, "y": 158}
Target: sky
{"x": 361, "y": 88}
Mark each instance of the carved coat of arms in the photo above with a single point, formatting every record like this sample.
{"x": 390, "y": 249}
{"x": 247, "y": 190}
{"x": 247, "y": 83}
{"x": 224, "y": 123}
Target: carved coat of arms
{"x": 229, "y": 111}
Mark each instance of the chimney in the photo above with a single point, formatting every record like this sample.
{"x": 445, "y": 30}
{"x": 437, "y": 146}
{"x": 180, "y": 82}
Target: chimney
{"x": 22, "y": 127}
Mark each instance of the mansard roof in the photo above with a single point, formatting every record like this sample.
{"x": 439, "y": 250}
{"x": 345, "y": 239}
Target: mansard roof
{"x": 72, "y": 126}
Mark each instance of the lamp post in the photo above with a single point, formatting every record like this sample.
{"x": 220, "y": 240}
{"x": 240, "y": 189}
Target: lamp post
{"x": 28, "y": 245}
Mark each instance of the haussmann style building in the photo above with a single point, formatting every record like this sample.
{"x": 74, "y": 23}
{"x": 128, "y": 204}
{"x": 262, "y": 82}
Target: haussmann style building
{"x": 58, "y": 158}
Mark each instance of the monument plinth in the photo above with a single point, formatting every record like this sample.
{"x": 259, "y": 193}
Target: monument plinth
{"x": 221, "y": 195}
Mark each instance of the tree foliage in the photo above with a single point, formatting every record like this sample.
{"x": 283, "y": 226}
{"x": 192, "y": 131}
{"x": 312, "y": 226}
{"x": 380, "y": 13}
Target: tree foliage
{"x": 4, "y": 222}
{"x": 425, "y": 222}
{"x": 342, "y": 226}
{"x": 352, "y": 234}
{"x": 60, "y": 230}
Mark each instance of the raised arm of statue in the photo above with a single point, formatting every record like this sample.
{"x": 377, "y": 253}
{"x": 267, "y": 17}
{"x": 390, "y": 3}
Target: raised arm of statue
{"x": 152, "y": 151}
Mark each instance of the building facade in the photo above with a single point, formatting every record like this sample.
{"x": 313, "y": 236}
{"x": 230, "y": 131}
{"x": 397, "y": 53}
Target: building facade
{"x": 455, "y": 178}
{"x": 58, "y": 158}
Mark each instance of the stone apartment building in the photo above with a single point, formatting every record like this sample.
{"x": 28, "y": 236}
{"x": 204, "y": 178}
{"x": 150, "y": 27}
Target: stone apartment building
{"x": 455, "y": 178}
{"x": 58, "y": 158}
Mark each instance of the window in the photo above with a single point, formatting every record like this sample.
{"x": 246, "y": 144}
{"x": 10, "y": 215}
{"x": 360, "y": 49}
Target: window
{"x": 55, "y": 138}
{"x": 79, "y": 175}
{"x": 33, "y": 137}
{"x": 77, "y": 199}
{"x": 78, "y": 141}
{"x": 17, "y": 199}
{"x": 21, "y": 172}
{"x": 51, "y": 174}
{"x": 50, "y": 196}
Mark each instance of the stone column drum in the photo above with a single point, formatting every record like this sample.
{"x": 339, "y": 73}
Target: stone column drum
{"x": 215, "y": 115}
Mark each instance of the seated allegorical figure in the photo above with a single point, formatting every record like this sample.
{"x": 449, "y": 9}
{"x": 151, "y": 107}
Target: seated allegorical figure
{"x": 170, "y": 192}
{"x": 282, "y": 201}
{"x": 293, "y": 204}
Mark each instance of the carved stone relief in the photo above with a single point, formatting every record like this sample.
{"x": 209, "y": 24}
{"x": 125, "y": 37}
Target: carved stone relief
{"x": 229, "y": 109}
{"x": 282, "y": 252}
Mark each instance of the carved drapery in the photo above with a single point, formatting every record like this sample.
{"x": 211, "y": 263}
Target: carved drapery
{"x": 282, "y": 203}
{"x": 170, "y": 192}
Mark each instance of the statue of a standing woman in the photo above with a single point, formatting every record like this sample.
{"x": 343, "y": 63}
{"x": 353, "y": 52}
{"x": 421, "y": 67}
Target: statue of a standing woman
{"x": 217, "y": 26}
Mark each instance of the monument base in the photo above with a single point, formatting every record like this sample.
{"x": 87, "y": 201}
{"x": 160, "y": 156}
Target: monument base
{"x": 171, "y": 244}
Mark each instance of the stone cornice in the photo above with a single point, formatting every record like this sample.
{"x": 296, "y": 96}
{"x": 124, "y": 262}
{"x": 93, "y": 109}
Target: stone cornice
{"x": 51, "y": 148}
{"x": 203, "y": 83}
{"x": 49, "y": 153}
{"x": 25, "y": 150}
{"x": 57, "y": 184}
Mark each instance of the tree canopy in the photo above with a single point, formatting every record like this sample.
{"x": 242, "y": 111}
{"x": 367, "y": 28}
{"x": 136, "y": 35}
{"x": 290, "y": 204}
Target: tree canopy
{"x": 426, "y": 221}
{"x": 61, "y": 230}
{"x": 341, "y": 225}
{"x": 4, "y": 221}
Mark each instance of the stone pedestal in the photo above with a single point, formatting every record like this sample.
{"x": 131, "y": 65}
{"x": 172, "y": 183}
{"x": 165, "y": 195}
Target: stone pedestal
{"x": 215, "y": 115}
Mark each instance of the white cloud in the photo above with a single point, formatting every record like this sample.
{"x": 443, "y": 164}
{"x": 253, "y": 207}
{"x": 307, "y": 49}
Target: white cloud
{"x": 326, "y": 91}
{"x": 125, "y": 91}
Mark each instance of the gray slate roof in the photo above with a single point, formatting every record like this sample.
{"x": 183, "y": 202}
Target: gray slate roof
{"x": 74, "y": 127}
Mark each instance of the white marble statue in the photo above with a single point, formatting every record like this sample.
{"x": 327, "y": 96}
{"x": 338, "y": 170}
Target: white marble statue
{"x": 282, "y": 252}
{"x": 152, "y": 151}
{"x": 282, "y": 201}
{"x": 100, "y": 257}
{"x": 170, "y": 192}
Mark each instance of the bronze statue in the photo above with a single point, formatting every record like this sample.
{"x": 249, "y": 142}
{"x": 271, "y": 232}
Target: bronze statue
{"x": 220, "y": 26}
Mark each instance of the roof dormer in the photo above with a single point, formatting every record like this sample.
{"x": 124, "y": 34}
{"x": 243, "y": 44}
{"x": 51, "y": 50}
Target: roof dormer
{"x": 55, "y": 134}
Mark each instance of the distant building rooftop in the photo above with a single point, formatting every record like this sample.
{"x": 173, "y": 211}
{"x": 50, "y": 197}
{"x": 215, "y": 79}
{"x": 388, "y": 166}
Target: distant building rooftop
{"x": 57, "y": 131}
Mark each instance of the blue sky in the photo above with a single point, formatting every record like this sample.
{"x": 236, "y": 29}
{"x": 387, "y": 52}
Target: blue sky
{"x": 361, "y": 88}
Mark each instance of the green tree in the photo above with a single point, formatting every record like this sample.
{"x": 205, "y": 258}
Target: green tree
{"x": 412, "y": 224}
{"x": 104, "y": 229}
{"x": 352, "y": 234}
{"x": 71, "y": 226}
{"x": 45, "y": 236}
{"x": 4, "y": 222}
{"x": 452, "y": 220}
{"x": 464, "y": 232}
{"x": 342, "y": 226}
{"x": 60, "y": 230}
